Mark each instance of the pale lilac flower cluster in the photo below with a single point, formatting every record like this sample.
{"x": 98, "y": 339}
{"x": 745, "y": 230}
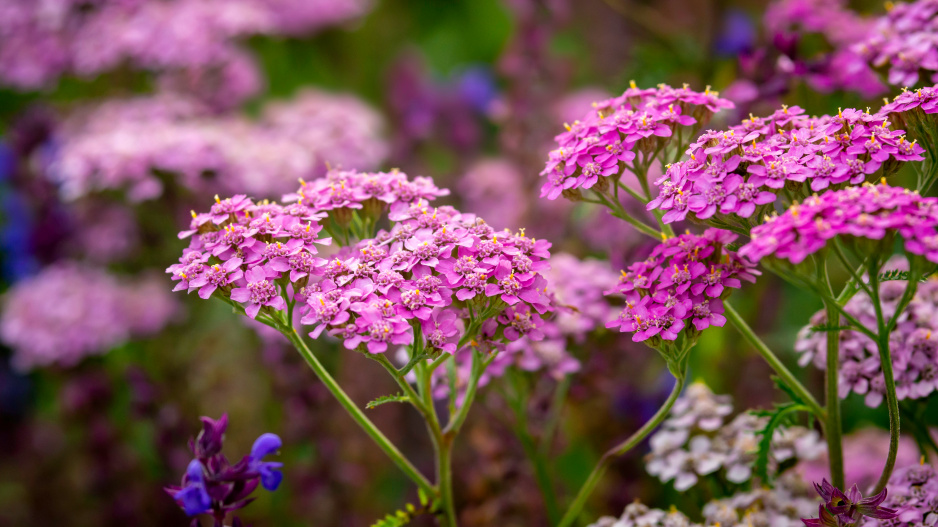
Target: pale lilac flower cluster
{"x": 914, "y": 349}
{"x": 781, "y": 506}
{"x": 869, "y": 211}
{"x": 42, "y": 40}
{"x": 680, "y": 286}
{"x": 904, "y": 39}
{"x": 740, "y": 171}
{"x": 694, "y": 441}
{"x": 435, "y": 272}
{"x": 913, "y": 492}
{"x": 605, "y": 141}
{"x": 69, "y": 311}
{"x": 121, "y": 144}
{"x": 637, "y": 514}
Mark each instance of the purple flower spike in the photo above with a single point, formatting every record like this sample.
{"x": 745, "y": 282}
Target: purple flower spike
{"x": 193, "y": 497}
{"x": 213, "y": 485}
{"x": 846, "y": 508}
{"x": 210, "y": 438}
{"x": 269, "y": 471}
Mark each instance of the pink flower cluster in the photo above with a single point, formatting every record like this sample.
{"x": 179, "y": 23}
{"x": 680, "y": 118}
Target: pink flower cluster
{"x": 869, "y": 211}
{"x": 42, "y": 40}
{"x": 605, "y": 141}
{"x": 435, "y": 270}
{"x": 120, "y": 144}
{"x": 69, "y": 311}
{"x": 576, "y": 289}
{"x": 914, "y": 348}
{"x": 683, "y": 280}
{"x": 741, "y": 170}
{"x": 904, "y": 39}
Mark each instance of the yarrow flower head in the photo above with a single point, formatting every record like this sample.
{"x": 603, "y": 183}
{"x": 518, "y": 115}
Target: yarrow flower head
{"x": 435, "y": 273}
{"x": 679, "y": 289}
{"x": 738, "y": 173}
{"x": 212, "y": 485}
{"x": 866, "y": 212}
{"x": 576, "y": 290}
{"x": 913, "y": 342}
{"x": 605, "y": 141}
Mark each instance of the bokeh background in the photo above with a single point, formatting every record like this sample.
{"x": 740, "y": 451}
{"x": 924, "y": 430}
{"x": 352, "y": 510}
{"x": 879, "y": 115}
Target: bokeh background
{"x": 118, "y": 117}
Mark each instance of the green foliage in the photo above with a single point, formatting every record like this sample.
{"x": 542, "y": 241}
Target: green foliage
{"x": 897, "y": 274}
{"x": 404, "y": 516}
{"x": 395, "y": 398}
{"x": 827, "y": 326}
{"x": 778, "y": 416}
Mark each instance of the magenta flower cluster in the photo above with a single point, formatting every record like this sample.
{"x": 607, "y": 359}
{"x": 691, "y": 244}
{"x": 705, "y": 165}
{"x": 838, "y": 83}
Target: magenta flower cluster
{"x": 123, "y": 144}
{"x": 576, "y": 289}
{"x": 912, "y": 343}
{"x": 868, "y": 211}
{"x": 904, "y": 40}
{"x": 740, "y": 171}
{"x": 70, "y": 311}
{"x": 681, "y": 284}
{"x": 435, "y": 270}
{"x": 606, "y": 140}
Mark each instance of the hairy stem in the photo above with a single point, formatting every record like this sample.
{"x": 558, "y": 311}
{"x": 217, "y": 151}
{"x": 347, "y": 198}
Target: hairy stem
{"x": 833, "y": 427}
{"x": 573, "y": 511}
{"x": 885, "y": 359}
{"x": 773, "y": 361}
{"x": 369, "y": 427}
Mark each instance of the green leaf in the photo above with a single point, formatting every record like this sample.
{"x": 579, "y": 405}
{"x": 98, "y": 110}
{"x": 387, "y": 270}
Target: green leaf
{"x": 827, "y": 326}
{"x": 792, "y": 394}
{"x": 897, "y": 274}
{"x": 396, "y": 398}
{"x": 404, "y": 516}
{"x": 777, "y": 417}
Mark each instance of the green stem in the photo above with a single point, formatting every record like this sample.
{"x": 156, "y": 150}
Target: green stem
{"x": 445, "y": 481}
{"x": 573, "y": 512}
{"x": 553, "y": 419}
{"x": 620, "y": 213}
{"x": 518, "y": 405}
{"x": 773, "y": 361}
{"x": 478, "y": 366}
{"x": 833, "y": 427}
{"x": 379, "y": 438}
{"x": 885, "y": 359}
